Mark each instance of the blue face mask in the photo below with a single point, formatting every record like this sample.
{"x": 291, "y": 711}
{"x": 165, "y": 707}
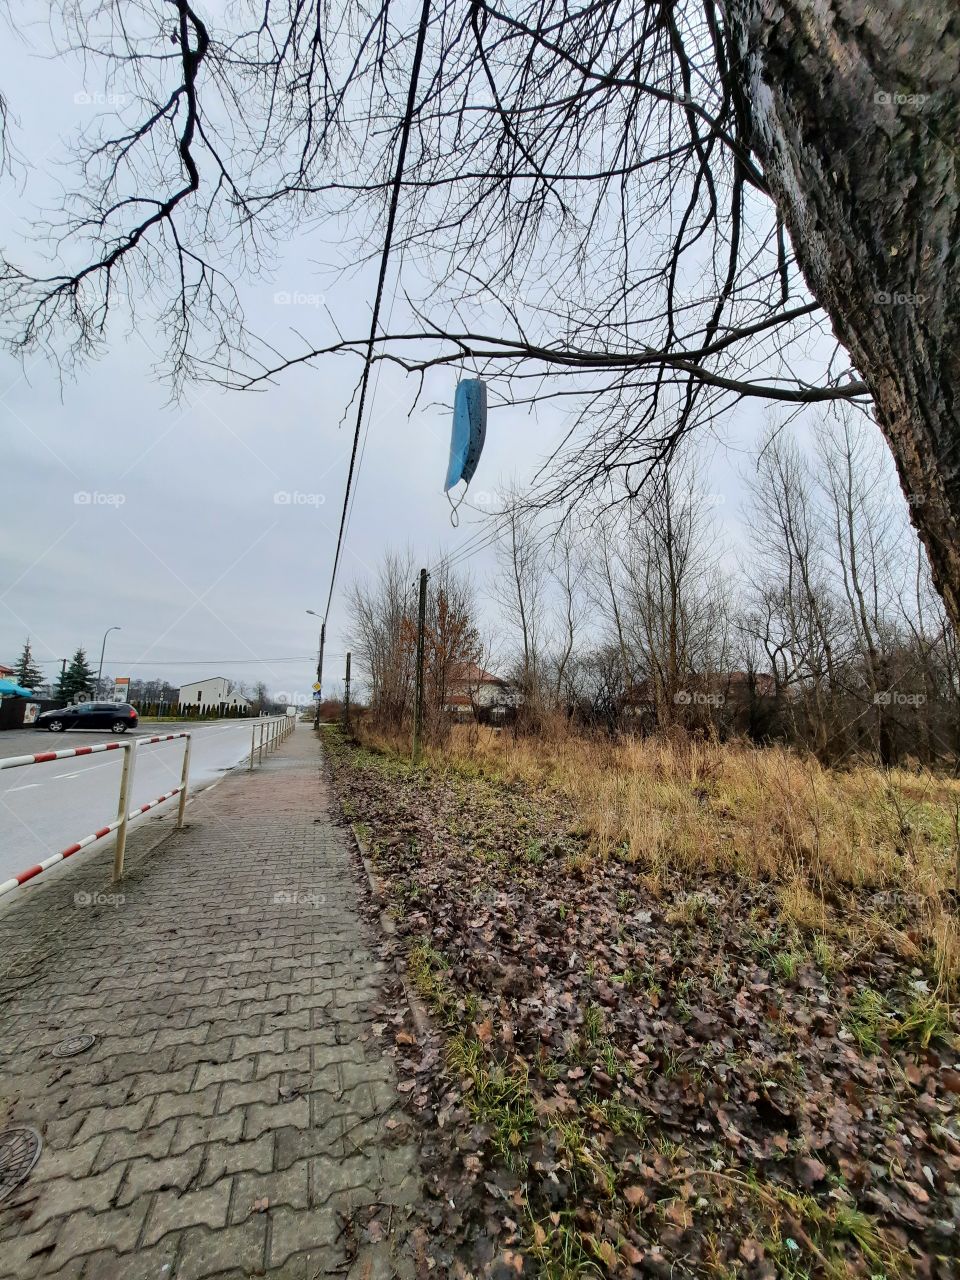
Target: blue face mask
{"x": 469, "y": 431}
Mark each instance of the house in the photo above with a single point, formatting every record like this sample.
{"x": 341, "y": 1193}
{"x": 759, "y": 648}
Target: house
{"x": 7, "y": 673}
{"x": 472, "y": 691}
{"x": 213, "y": 695}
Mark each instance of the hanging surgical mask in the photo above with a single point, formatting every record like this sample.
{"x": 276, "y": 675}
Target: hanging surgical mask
{"x": 469, "y": 432}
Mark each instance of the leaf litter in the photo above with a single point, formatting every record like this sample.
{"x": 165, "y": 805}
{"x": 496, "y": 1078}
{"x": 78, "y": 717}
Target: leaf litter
{"x": 645, "y": 1078}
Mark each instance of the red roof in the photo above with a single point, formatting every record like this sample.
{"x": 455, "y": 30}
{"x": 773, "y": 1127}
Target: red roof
{"x": 470, "y": 673}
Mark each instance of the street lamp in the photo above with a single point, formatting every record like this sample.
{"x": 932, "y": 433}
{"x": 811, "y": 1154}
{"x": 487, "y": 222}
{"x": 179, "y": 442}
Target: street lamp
{"x": 102, "y": 648}
{"x": 323, "y": 636}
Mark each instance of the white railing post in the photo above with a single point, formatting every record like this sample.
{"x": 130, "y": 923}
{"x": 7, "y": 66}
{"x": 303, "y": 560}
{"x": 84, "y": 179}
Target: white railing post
{"x": 184, "y": 781}
{"x": 253, "y": 734}
{"x": 123, "y": 808}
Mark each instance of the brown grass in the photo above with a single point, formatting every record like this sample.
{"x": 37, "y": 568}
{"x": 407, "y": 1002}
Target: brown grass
{"x": 864, "y": 853}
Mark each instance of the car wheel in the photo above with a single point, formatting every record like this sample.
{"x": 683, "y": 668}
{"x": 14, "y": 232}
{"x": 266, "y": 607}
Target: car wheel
{"x": 55, "y": 726}
{"x": 119, "y": 726}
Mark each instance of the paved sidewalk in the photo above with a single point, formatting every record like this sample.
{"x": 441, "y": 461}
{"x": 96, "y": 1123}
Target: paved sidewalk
{"x": 236, "y": 1113}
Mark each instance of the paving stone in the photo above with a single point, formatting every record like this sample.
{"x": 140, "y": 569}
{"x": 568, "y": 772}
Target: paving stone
{"x": 125, "y": 1146}
{"x": 235, "y": 1157}
{"x": 293, "y": 1232}
{"x": 201, "y": 1102}
{"x": 87, "y": 1232}
{"x": 70, "y": 1162}
{"x": 237, "y": 1251}
{"x": 172, "y": 1211}
{"x": 193, "y": 1131}
{"x": 285, "y": 1187}
{"x": 329, "y": 1176}
{"x": 235, "y": 1070}
{"x": 68, "y": 1195}
{"x": 144, "y": 1175}
{"x": 151, "y": 1083}
{"x": 263, "y": 1116}
{"x": 207, "y": 996}
{"x": 100, "y": 1120}
{"x": 240, "y": 1095}
{"x": 292, "y": 1060}
{"x": 145, "y": 1264}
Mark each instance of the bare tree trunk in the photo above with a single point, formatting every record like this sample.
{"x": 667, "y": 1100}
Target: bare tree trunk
{"x": 855, "y": 114}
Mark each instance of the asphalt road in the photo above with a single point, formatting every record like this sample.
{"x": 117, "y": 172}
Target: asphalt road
{"x": 46, "y": 807}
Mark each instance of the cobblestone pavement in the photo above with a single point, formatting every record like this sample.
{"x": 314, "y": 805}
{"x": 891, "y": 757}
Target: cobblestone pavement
{"x": 236, "y": 1113}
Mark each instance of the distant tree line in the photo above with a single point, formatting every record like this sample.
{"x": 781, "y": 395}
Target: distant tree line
{"x": 822, "y": 630}
{"x": 77, "y": 681}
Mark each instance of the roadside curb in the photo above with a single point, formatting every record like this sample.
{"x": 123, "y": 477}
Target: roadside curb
{"x": 418, "y": 1010}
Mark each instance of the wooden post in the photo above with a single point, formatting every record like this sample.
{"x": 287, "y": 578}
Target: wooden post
{"x": 418, "y": 703}
{"x": 346, "y": 697}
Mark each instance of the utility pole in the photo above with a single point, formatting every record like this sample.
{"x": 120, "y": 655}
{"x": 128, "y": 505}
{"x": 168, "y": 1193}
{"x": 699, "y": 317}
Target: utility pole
{"x": 346, "y": 696}
{"x": 418, "y": 704}
{"x": 323, "y": 636}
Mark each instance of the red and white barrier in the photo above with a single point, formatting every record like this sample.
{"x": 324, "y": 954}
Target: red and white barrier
{"x": 24, "y": 876}
{"x": 42, "y": 757}
{"x": 123, "y": 817}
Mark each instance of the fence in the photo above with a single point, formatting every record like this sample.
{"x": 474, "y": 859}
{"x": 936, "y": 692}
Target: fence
{"x": 272, "y": 731}
{"x": 124, "y": 816}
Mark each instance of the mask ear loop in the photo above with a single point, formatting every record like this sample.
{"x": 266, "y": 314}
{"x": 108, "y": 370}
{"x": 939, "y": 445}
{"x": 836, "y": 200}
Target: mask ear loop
{"x": 455, "y": 507}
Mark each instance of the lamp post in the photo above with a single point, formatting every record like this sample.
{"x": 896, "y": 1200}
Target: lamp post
{"x": 102, "y": 650}
{"x": 323, "y": 636}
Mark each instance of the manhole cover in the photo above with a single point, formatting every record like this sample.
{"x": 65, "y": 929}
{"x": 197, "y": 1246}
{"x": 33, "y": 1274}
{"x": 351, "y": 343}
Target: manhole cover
{"x": 74, "y": 1045}
{"x": 19, "y": 1152}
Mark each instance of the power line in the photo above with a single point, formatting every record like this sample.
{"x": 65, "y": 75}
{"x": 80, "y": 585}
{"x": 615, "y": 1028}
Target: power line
{"x": 196, "y": 662}
{"x": 482, "y": 539}
{"x": 384, "y": 259}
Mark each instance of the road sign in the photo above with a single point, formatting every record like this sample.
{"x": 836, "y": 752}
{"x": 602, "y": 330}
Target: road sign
{"x": 316, "y": 687}
{"x": 317, "y": 696}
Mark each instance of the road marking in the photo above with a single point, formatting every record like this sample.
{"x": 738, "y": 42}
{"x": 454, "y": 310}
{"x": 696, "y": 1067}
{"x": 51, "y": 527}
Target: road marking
{"x": 29, "y": 787}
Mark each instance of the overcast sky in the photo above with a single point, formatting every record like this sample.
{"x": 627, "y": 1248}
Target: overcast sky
{"x": 168, "y": 519}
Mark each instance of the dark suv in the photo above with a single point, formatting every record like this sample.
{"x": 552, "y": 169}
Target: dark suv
{"x": 116, "y": 716}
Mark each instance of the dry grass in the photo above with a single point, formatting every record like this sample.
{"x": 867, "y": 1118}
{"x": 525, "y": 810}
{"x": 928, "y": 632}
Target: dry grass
{"x": 863, "y": 852}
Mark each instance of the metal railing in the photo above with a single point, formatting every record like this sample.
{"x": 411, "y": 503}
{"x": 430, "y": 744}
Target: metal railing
{"x": 272, "y": 731}
{"x": 124, "y": 817}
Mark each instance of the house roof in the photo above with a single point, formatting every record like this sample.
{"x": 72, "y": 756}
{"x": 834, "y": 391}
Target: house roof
{"x": 198, "y": 684}
{"x": 471, "y": 673}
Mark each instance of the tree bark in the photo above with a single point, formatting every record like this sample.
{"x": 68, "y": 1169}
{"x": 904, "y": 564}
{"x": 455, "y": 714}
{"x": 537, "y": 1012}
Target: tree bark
{"x": 853, "y": 108}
